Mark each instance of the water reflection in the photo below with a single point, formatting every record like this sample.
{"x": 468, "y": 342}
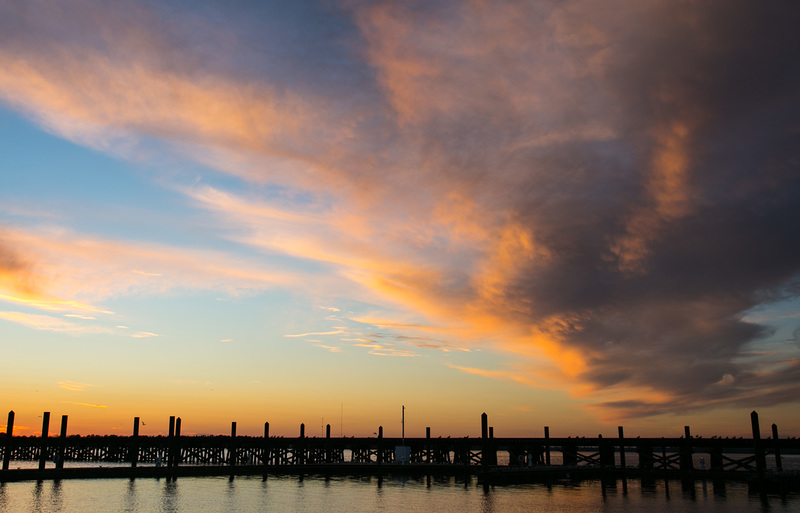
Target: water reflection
{"x": 169, "y": 497}
{"x": 55, "y": 496}
{"x": 487, "y": 500}
{"x": 130, "y": 502}
{"x": 389, "y": 495}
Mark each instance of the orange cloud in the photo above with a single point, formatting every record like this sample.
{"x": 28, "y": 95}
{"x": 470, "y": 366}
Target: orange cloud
{"x": 73, "y": 386}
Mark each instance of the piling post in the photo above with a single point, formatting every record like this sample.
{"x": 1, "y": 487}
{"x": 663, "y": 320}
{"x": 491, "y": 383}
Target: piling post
{"x": 62, "y": 442}
{"x": 485, "y": 440}
{"x": 301, "y": 445}
{"x": 427, "y": 445}
{"x": 45, "y": 429}
{"x": 328, "y": 443}
{"x": 547, "y": 445}
{"x": 761, "y": 460}
{"x": 622, "y": 463}
{"x": 265, "y": 454}
{"x": 492, "y": 447}
{"x": 717, "y": 463}
{"x": 232, "y": 449}
{"x": 621, "y": 448}
{"x": 170, "y": 440}
{"x": 606, "y": 450}
{"x": 176, "y": 460}
{"x": 776, "y": 443}
{"x": 645, "y": 451}
{"x": 8, "y": 441}
{"x": 135, "y": 443}
{"x": 569, "y": 451}
{"x": 379, "y": 456}
{"x": 686, "y": 451}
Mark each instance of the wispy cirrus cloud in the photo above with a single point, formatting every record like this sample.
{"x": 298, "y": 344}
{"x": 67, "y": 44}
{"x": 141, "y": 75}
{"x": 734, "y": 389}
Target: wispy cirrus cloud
{"x": 89, "y": 405}
{"x": 73, "y": 386}
{"x": 50, "y": 323}
{"x": 313, "y": 334}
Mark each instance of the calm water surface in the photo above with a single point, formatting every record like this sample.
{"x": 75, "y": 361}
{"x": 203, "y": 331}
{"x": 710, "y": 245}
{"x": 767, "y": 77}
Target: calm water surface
{"x": 312, "y": 494}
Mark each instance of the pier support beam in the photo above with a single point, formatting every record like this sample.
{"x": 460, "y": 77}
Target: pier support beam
{"x": 777, "y": 445}
{"x": 176, "y": 445}
{"x": 484, "y": 440}
{"x": 606, "y": 450}
{"x": 170, "y": 440}
{"x": 645, "y": 452}
{"x": 427, "y": 445}
{"x": 8, "y": 441}
{"x": 265, "y": 457}
{"x": 328, "y": 455}
{"x": 135, "y": 443}
{"x": 686, "y": 451}
{"x": 62, "y": 442}
{"x": 547, "y": 445}
{"x": 45, "y": 429}
{"x": 761, "y": 460}
{"x": 379, "y": 456}
{"x": 232, "y": 449}
{"x": 301, "y": 450}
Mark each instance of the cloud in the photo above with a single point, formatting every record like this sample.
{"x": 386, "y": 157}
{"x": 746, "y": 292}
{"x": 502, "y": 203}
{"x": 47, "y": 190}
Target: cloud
{"x": 602, "y": 194}
{"x": 332, "y": 349}
{"x": 314, "y": 333}
{"x": 73, "y": 386}
{"x": 90, "y": 405}
{"x": 49, "y": 323}
{"x": 144, "y": 334}
{"x": 64, "y": 263}
{"x": 382, "y": 350}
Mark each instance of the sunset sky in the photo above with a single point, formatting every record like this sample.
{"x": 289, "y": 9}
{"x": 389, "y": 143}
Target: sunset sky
{"x": 568, "y": 213}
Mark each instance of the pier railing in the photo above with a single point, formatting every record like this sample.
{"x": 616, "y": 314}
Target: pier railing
{"x": 471, "y": 455}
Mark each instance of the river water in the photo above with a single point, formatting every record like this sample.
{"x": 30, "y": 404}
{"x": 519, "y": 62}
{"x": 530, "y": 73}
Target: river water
{"x": 370, "y": 494}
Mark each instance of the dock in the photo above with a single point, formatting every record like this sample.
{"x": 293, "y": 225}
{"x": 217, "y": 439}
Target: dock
{"x": 530, "y": 459}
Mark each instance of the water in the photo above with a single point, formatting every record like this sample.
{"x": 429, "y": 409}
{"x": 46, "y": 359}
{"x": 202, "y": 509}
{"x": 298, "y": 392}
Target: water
{"x": 369, "y": 494}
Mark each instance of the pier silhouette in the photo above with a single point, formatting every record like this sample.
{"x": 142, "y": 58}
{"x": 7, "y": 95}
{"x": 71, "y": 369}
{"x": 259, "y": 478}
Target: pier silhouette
{"x": 529, "y": 459}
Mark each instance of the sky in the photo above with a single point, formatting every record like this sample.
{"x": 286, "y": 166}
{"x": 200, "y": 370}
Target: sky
{"x": 570, "y": 214}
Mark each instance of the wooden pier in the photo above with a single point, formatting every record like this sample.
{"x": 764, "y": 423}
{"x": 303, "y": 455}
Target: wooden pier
{"x": 529, "y": 459}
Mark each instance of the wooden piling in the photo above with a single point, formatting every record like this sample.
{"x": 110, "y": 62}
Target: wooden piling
{"x": 686, "y": 451}
{"x": 176, "y": 460}
{"x": 761, "y": 460}
{"x": 328, "y": 454}
{"x": 8, "y": 440}
{"x": 717, "y": 461}
{"x": 170, "y": 440}
{"x": 777, "y": 447}
{"x": 622, "y": 463}
{"x": 547, "y": 445}
{"x": 379, "y": 456}
{"x": 645, "y": 452}
{"x": 266, "y": 447}
{"x": 484, "y": 440}
{"x": 45, "y": 429}
{"x": 301, "y": 450}
{"x": 135, "y": 443}
{"x": 232, "y": 447}
{"x": 427, "y": 445}
{"x": 606, "y": 450}
{"x": 62, "y": 442}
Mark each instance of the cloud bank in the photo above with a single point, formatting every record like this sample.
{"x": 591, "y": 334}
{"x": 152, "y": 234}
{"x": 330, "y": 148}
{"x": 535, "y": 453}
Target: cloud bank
{"x": 603, "y": 190}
